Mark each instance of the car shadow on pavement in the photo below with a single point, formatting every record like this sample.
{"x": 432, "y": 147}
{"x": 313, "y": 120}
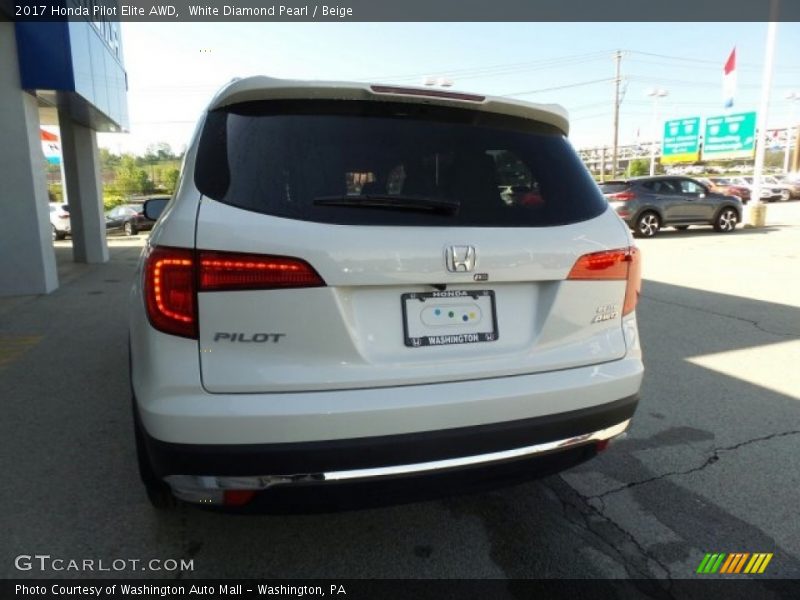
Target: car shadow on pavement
{"x": 706, "y": 465}
{"x": 701, "y": 231}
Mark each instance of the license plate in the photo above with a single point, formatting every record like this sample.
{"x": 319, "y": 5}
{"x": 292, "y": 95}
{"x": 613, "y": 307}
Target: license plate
{"x": 449, "y": 317}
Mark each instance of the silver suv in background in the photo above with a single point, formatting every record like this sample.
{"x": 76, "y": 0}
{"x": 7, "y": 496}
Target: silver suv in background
{"x": 340, "y": 292}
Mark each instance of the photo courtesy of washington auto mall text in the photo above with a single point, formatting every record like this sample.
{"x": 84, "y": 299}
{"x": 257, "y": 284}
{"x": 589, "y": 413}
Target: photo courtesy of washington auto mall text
{"x": 71, "y": 590}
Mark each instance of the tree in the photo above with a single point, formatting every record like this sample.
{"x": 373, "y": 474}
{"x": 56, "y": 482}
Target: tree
{"x": 773, "y": 158}
{"x": 171, "y": 180}
{"x": 639, "y": 166}
{"x": 108, "y": 160}
{"x": 158, "y": 152}
{"x": 132, "y": 179}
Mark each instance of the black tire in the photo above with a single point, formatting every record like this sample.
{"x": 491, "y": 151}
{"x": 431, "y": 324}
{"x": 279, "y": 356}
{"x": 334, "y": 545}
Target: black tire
{"x": 58, "y": 235}
{"x": 681, "y": 227}
{"x": 129, "y": 228}
{"x": 158, "y": 493}
{"x": 647, "y": 225}
{"x": 726, "y": 220}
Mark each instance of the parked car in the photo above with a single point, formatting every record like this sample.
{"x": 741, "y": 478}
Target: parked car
{"x": 768, "y": 193}
{"x": 647, "y": 204}
{"x": 785, "y": 187}
{"x": 59, "y": 221}
{"x": 316, "y": 306}
{"x": 725, "y": 185}
{"x": 129, "y": 218}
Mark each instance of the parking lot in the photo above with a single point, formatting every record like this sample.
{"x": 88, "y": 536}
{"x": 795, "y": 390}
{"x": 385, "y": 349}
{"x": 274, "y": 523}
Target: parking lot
{"x": 710, "y": 464}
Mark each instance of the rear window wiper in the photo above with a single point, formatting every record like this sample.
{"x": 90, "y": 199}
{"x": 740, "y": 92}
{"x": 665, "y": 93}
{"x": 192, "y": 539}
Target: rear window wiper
{"x": 392, "y": 202}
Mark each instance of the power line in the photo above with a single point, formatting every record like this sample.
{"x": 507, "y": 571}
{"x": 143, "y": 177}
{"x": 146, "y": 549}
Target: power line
{"x": 694, "y": 60}
{"x": 573, "y": 109}
{"x": 682, "y": 82}
{"x": 498, "y": 69}
{"x": 559, "y": 87}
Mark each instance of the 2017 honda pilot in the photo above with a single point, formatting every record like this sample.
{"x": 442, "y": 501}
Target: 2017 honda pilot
{"x": 339, "y": 292}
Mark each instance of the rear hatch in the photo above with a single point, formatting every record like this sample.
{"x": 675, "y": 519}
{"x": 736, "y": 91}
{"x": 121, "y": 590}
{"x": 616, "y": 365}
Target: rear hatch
{"x": 435, "y": 245}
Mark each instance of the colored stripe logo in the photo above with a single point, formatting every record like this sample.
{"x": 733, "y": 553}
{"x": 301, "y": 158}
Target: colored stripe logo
{"x": 734, "y": 563}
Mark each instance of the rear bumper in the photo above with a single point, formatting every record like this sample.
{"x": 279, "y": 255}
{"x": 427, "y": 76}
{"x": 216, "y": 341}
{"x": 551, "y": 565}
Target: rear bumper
{"x": 187, "y": 415}
{"x": 195, "y": 471}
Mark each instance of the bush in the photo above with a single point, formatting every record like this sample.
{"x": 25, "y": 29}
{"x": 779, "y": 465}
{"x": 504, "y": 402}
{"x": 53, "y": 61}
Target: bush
{"x": 55, "y": 192}
{"x": 132, "y": 180}
{"x": 638, "y": 167}
{"x": 111, "y": 200}
{"x": 171, "y": 180}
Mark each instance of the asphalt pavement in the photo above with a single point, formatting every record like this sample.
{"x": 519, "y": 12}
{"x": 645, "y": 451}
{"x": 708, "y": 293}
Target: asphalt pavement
{"x": 709, "y": 465}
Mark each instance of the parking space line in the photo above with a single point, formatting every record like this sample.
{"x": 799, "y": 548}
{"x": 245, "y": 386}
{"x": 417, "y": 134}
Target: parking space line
{"x": 14, "y": 346}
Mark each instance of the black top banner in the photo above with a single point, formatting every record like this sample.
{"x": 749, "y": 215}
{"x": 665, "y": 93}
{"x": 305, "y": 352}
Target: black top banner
{"x": 405, "y": 10}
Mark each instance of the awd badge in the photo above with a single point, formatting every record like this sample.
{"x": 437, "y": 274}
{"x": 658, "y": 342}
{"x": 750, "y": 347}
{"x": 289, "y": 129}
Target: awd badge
{"x": 606, "y": 312}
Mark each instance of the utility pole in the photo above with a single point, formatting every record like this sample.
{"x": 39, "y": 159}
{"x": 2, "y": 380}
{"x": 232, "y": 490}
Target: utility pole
{"x": 792, "y": 97}
{"x": 757, "y": 211}
{"x": 617, "y": 79}
{"x": 602, "y": 164}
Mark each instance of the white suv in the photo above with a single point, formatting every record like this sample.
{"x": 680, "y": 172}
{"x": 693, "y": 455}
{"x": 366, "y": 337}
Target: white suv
{"x": 339, "y": 292}
{"x": 59, "y": 221}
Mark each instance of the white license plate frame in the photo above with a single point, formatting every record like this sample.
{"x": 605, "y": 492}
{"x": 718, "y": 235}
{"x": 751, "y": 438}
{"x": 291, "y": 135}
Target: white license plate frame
{"x": 483, "y": 300}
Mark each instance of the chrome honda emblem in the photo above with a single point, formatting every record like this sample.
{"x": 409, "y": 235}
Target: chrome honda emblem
{"x": 460, "y": 259}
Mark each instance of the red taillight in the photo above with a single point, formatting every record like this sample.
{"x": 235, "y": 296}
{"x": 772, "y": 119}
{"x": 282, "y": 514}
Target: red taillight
{"x": 169, "y": 290}
{"x": 404, "y": 91}
{"x": 624, "y": 263}
{"x": 174, "y": 275}
{"x": 237, "y": 497}
{"x": 622, "y": 196}
{"x": 233, "y": 271}
{"x": 63, "y": 216}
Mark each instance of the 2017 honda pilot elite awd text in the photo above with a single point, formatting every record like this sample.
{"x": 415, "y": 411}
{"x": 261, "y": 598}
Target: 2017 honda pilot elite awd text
{"x": 343, "y": 289}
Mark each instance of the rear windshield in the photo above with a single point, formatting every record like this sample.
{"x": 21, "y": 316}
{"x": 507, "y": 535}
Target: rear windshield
{"x": 380, "y": 163}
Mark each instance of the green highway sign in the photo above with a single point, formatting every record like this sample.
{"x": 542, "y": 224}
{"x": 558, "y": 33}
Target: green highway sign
{"x": 730, "y": 136}
{"x": 681, "y": 142}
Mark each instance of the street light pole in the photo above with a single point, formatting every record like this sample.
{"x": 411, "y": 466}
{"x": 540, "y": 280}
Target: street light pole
{"x": 655, "y": 94}
{"x": 792, "y": 97}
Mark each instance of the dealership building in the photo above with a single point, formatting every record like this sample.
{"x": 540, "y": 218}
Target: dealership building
{"x": 65, "y": 74}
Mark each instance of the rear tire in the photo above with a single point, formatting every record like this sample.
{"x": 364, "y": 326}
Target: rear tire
{"x": 726, "y": 220}
{"x": 647, "y": 225}
{"x": 58, "y": 235}
{"x": 130, "y": 229}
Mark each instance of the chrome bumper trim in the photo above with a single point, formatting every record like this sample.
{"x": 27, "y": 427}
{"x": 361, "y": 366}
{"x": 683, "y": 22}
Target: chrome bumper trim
{"x": 208, "y": 489}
